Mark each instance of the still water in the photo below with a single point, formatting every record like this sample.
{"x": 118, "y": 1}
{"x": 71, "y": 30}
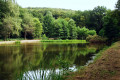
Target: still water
{"x": 43, "y": 61}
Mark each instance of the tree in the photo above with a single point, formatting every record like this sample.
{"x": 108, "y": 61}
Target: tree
{"x": 112, "y": 25}
{"x": 102, "y": 32}
{"x": 37, "y": 14}
{"x": 57, "y": 28}
{"x": 48, "y": 24}
{"x": 61, "y": 29}
{"x": 38, "y": 28}
{"x": 11, "y": 27}
{"x": 27, "y": 25}
{"x": 72, "y": 29}
{"x": 4, "y": 10}
{"x": 97, "y": 14}
{"x": 118, "y": 5}
{"x": 91, "y": 32}
{"x": 79, "y": 18}
{"x": 10, "y": 21}
{"x": 65, "y": 28}
{"x": 82, "y": 32}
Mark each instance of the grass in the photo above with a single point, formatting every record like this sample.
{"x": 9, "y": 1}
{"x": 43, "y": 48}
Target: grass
{"x": 114, "y": 45}
{"x": 104, "y": 72}
{"x": 101, "y": 67}
{"x": 1, "y": 40}
{"x": 15, "y": 39}
{"x": 98, "y": 55}
{"x": 17, "y": 42}
{"x": 78, "y": 41}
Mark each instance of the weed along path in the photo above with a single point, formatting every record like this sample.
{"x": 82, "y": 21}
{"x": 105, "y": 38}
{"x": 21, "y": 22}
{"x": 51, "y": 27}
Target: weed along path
{"x": 106, "y": 67}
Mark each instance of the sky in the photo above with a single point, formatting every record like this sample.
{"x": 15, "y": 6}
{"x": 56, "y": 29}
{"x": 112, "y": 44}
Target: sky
{"x": 68, "y": 4}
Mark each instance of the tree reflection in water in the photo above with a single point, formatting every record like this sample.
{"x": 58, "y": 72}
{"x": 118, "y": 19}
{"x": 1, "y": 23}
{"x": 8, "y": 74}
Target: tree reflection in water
{"x": 43, "y": 60}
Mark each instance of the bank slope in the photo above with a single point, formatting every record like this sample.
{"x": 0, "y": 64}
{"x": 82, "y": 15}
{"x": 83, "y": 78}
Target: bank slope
{"x": 106, "y": 67}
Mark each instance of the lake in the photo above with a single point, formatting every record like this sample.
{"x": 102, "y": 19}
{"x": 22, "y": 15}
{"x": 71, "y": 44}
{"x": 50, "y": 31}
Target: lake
{"x": 44, "y": 61}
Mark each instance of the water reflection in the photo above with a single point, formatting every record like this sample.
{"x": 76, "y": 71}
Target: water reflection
{"x": 39, "y": 60}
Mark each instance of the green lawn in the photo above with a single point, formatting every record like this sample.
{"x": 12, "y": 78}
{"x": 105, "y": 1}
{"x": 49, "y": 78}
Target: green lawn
{"x": 79, "y": 41}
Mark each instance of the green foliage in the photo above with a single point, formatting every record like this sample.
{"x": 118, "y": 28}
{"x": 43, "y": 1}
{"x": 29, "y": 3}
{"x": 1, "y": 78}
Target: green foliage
{"x": 48, "y": 24}
{"x": 111, "y": 25}
{"x": 37, "y": 14}
{"x": 65, "y": 34}
{"x": 91, "y": 32}
{"x": 84, "y": 32}
{"x": 118, "y": 5}
{"x": 58, "y": 29}
{"x": 79, "y": 18}
{"x": 17, "y": 42}
{"x": 96, "y": 38}
{"x": 17, "y": 22}
{"x": 65, "y": 41}
{"x": 100, "y": 53}
{"x": 98, "y": 14}
{"x": 38, "y": 28}
{"x": 72, "y": 29}
{"x": 61, "y": 30}
{"x": 10, "y": 21}
{"x": 102, "y": 32}
{"x": 44, "y": 37}
{"x": 27, "y": 24}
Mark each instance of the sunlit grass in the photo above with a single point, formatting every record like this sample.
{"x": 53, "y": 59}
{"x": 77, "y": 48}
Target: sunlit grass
{"x": 79, "y": 41}
{"x": 17, "y": 42}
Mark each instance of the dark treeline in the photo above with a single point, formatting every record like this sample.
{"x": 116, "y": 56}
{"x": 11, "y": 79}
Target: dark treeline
{"x": 17, "y": 22}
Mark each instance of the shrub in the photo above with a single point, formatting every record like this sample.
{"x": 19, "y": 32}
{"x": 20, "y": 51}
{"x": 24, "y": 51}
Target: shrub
{"x": 84, "y": 32}
{"x": 17, "y": 42}
{"x": 44, "y": 37}
{"x": 102, "y": 32}
{"x": 92, "y": 32}
{"x": 96, "y": 38}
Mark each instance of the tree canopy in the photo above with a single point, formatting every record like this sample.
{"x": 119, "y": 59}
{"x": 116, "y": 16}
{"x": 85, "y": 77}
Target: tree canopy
{"x": 17, "y": 22}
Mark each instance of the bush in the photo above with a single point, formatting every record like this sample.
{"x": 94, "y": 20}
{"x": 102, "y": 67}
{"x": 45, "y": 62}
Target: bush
{"x": 44, "y": 37}
{"x": 96, "y": 38}
{"x": 92, "y": 32}
{"x": 84, "y": 32}
{"x": 102, "y": 32}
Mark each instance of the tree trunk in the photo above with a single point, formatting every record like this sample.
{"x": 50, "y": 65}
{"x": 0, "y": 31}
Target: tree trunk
{"x": 25, "y": 35}
{"x": 9, "y": 35}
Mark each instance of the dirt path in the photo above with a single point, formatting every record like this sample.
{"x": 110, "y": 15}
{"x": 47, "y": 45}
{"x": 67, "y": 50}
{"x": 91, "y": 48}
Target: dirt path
{"x": 29, "y": 41}
{"x": 107, "y": 67}
{"x": 7, "y": 42}
{"x": 22, "y": 41}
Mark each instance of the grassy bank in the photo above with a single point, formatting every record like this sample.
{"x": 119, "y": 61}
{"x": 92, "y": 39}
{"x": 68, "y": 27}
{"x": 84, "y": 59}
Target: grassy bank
{"x": 78, "y": 41}
{"x": 106, "y": 66}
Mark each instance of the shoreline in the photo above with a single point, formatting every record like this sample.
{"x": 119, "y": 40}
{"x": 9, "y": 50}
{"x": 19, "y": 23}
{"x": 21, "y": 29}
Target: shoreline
{"x": 34, "y": 41}
{"x": 21, "y": 41}
{"x": 105, "y": 67}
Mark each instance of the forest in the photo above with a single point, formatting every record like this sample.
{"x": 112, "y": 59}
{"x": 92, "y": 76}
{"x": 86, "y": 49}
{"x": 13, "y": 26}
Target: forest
{"x": 99, "y": 24}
